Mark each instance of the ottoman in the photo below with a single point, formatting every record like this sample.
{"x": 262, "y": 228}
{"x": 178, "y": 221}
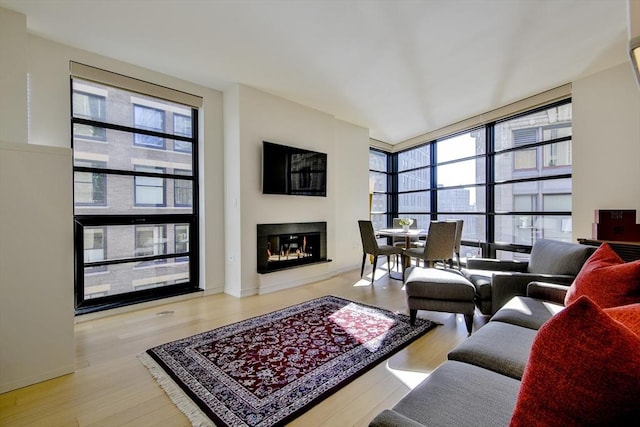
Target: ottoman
{"x": 436, "y": 289}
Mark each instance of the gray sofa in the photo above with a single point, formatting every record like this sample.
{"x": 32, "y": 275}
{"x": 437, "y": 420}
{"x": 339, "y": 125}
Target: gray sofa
{"x": 478, "y": 384}
{"x": 497, "y": 281}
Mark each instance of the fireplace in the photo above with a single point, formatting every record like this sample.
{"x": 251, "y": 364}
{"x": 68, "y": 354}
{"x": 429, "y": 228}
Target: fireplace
{"x": 282, "y": 246}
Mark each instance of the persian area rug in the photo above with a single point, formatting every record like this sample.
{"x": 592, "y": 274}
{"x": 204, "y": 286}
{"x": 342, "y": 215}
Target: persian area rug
{"x": 269, "y": 369}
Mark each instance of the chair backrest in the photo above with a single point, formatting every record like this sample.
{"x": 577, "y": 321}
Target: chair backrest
{"x": 400, "y": 239}
{"x": 440, "y": 240}
{"x": 458, "y": 241}
{"x": 368, "y": 236}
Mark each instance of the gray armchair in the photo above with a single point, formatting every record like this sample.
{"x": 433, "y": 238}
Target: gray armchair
{"x": 497, "y": 281}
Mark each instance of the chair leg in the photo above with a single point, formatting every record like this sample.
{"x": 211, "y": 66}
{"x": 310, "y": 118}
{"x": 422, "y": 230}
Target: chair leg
{"x": 364, "y": 257}
{"x": 373, "y": 273}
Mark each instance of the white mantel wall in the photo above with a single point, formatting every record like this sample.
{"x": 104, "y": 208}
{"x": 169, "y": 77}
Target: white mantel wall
{"x": 252, "y": 116}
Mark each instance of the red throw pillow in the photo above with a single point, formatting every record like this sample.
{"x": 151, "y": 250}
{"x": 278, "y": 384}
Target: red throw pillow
{"x": 607, "y": 280}
{"x": 628, "y": 315}
{"x": 583, "y": 370}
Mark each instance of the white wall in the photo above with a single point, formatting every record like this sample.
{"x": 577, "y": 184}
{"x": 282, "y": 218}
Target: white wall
{"x": 36, "y": 264}
{"x": 13, "y": 76}
{"x": 254, "y": 116}
{"x": 606, "y": 145}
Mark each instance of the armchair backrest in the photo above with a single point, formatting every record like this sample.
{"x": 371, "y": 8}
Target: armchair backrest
{"x": 557, "y": 257}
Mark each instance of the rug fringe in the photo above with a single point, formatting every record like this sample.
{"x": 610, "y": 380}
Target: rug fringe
{"x": 175, "y": 393}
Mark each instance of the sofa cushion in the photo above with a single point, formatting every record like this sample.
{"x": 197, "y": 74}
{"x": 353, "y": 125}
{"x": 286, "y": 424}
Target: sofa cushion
{"x": 584, "y": 369}
{"x": 607, "y": 280}
{"x": 527, "y": 312}
{"x": 459, "y": 394}
{"x": 497, "y": 346}
{"x": 557, "y": 257}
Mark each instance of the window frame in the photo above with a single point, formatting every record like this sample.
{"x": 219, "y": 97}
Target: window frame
{"x": 488, "y": 246}
{"x": 137, "y": 215}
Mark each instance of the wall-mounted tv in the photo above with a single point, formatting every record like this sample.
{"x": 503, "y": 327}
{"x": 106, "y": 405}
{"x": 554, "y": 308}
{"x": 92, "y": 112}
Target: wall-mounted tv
{"x": 294, "y": 171}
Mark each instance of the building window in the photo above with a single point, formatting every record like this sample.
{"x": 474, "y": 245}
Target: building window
{"x": 182, "y": 127}
{"x": 90, "y": 188}
{"x": 182, "y": 191}
{"x": 148, "y": 119}
{"x": 149, "y": 191}
{"x": 151, "y": 240}
{"x": 94, "y": 248}
{"x": 142, "y": 245}
{"x": 182, "y": 241}
{"x": 92, "y": 107}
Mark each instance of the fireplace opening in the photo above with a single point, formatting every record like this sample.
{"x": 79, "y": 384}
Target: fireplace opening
{"x": 282, "y": 246}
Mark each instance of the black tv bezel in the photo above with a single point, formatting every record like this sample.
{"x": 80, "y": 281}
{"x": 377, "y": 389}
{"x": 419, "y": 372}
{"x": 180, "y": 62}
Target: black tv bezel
{"x": 288, "y": 191}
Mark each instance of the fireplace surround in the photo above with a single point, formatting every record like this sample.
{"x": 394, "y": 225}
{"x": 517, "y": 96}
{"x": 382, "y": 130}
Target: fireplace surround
{"x": 288, "y": 245}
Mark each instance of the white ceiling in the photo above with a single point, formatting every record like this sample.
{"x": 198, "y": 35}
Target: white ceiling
{"x": 398, "y": 67}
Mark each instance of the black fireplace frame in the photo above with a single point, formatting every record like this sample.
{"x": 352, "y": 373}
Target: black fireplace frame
{"x": 264, "y": 231}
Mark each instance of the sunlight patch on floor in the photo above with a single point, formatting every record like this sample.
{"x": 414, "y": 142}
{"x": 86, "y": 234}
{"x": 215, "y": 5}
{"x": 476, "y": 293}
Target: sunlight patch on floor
{"x": 409, "y": 378}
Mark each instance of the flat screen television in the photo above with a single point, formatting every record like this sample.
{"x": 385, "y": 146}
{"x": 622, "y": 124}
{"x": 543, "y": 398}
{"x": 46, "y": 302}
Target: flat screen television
{"x": 294, "y": 171}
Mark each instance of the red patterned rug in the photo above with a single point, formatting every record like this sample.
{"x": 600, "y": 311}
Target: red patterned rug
{"x": 269, "y": 369}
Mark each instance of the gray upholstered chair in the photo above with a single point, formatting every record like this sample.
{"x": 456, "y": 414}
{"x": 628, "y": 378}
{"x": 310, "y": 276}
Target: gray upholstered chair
{"x": 438, "y": 246}
{"x": 497, "y": 281}
{"x": 370, "y": 246}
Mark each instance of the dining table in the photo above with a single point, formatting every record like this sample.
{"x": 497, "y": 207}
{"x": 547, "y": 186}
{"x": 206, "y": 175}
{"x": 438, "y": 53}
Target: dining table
{"x": 408, "y": 235}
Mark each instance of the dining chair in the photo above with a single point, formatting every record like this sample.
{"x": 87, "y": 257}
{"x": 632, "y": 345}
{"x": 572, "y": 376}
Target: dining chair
{"x": 458, "y": 242}
{"x": 400, "y": 241}
{"x": 439, "y": 245}
{"x": 370, "y": 246}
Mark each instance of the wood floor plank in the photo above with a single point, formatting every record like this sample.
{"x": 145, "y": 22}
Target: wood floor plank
{"x": 112, "y": 388}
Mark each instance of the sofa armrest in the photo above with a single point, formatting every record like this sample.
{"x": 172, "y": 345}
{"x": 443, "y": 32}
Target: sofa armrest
{"x": 496, "y": 264}
{"x": 505, "y": 286}
{"x": 553, "y": 292}
{"x": 391, "y": 418}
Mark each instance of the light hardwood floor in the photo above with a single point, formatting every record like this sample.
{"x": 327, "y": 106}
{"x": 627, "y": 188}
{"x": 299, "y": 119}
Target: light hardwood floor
{"x": 112, "y": 388}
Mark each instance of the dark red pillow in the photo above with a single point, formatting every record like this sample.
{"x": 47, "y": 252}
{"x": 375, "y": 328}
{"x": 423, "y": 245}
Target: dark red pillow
{"x": 607, "y": 280}
{"x": 583, "y": 370}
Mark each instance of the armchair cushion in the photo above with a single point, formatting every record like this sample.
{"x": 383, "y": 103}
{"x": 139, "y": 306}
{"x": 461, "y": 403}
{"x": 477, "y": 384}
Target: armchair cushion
{"x": 607, "y": 280}
{"x": 583, "y": 370}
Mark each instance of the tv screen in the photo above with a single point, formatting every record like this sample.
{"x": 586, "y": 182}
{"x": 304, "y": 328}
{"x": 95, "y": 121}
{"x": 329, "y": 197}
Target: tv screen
{"x": 294, "y": 171}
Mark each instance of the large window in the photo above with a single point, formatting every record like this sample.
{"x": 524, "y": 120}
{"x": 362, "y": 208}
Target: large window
{"x": 510, "y": 181}
{"x": 379, "y": 188}
{"x": 135, "y": 196}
